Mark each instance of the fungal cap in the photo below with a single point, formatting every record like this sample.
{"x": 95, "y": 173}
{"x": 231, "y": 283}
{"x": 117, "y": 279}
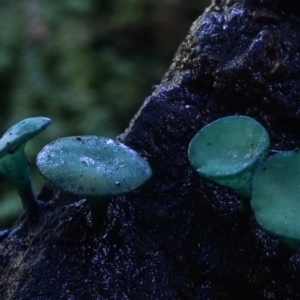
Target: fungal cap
{"x": 228, "y": 149}
{"x": 21, "y": 132}
{"x": 91, "y": 166}
{"x": 276, "y": 196}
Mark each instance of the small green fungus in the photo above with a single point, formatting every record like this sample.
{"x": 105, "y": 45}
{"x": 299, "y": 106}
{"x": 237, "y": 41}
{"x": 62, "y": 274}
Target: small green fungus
{"x": 276, "y": 196}
{"x": 93, "y": 167}
{"x": 228, "y": 150}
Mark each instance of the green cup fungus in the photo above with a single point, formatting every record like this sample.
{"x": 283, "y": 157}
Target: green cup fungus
{"x": 13, "y": 162}
{"x": 276, "y": 196}
{"x": 232, "y": 152}
{"x": 228, "y": 150}
{"x": 92, "y": 167}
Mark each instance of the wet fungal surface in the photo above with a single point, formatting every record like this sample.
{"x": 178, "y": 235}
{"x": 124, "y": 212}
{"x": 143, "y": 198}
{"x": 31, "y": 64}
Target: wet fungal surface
{"x": 92, "y": 166}
{"x": 179, "y": 236}
{"x": 228, "y": 150}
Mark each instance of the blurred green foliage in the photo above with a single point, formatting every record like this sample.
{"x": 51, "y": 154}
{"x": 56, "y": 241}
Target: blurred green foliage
{"x": 86, "y": 64}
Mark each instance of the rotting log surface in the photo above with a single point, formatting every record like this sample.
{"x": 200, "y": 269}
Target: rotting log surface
{"x": 179, "y": 236}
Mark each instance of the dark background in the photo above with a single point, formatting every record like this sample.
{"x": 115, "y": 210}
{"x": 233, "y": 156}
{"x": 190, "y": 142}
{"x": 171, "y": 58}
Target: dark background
{"x": 86, "y": 64}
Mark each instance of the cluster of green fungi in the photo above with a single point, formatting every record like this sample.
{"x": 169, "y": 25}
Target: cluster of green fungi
{"x": 233, "y": 152}
{"x": 91, "y": 167}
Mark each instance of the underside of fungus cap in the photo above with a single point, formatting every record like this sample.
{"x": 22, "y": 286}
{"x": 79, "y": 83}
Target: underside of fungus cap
{"x": 276, "y": 196}
{"x": 21, "y": 132}
{"x": 92, "y": 166}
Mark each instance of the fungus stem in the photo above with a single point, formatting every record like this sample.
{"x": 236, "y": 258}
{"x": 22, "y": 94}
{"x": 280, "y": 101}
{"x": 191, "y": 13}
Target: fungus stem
{"x": 98, "y": 208}
{"x": 15, "y": 167}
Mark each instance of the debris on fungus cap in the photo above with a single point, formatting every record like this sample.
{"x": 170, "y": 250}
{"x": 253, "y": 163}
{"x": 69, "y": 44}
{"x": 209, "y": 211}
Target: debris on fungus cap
{"x": 13, "y": 162}
{"x": 92, "y": 167}
{"x": 228, "y": 150}
{"x": 276, "y": 196}
{"x": 21, "y": 132}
